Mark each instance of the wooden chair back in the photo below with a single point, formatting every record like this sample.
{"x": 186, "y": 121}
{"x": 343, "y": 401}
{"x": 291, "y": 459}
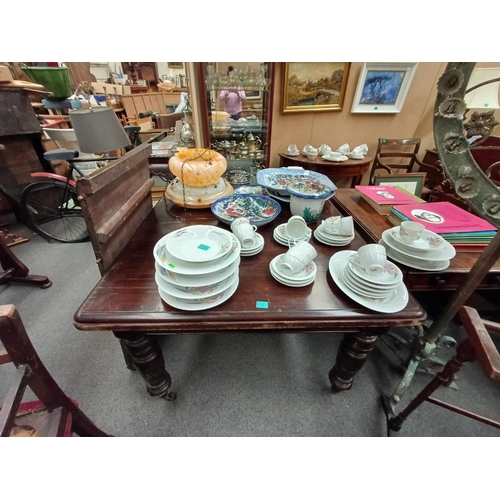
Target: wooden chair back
{"x": 394, "y": 155}
{"x": 54, "y": 414}
{"x": 115, "y": 201}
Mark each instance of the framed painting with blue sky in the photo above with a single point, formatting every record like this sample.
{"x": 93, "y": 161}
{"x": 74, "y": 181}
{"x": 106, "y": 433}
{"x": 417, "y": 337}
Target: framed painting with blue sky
{"x": 382, "y": 87}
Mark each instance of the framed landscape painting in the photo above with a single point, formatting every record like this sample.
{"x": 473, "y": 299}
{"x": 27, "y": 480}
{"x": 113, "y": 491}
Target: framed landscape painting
{"x": 382, "y": 87}
{"x": 314, "y": 86}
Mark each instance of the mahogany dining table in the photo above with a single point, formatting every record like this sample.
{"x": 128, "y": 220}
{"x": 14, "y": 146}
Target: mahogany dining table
{"x": 126, "y": 302}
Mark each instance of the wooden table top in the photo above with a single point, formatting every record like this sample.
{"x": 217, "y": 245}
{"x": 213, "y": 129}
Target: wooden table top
{"x": 371, "y": 226}
{"x": 127, "y": 299}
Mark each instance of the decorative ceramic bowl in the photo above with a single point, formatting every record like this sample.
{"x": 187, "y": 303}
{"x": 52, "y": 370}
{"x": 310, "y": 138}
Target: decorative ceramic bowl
{"x": 259, "y": 210}
{"x": 277, "y": 179}
{"x": 307, "y": 199}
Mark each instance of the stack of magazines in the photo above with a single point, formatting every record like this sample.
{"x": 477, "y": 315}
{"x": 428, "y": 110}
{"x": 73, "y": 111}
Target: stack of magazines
{"x": 465, "y": 231}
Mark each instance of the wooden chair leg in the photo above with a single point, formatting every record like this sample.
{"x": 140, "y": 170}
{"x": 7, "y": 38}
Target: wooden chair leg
{"x": 465, "y": 353}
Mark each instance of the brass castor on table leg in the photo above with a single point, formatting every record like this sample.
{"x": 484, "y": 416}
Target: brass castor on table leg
{"x": 170, "y": 396}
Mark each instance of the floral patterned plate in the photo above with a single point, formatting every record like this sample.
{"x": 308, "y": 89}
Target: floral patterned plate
{"x": 259, "y": 209}
{"x": 278, "y": 179}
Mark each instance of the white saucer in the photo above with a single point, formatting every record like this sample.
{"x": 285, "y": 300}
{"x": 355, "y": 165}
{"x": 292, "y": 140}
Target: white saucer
{"x": 199, "y": 304}
{"x": 295, "y": 284}
{"x": 445, "y": 253}
{"x": 329, "y": 158}
{"x": 305, "y": 274}
{"x": 295, "y": 153}
{"x": 336, "y": 266}
{"x": 333, "y": 243}
{"x": 393, "y": 254}
{"x": 334, "y": 238}
{"x": 428, "y": 241}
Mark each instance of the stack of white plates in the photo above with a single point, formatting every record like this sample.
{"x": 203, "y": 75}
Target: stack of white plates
{"x": 331, "y": 239}
{"x": 383, "y": 293}
{"x": 197, "y": 267}
{"x": 281, "y": 236}
{"x": 256, "y": 248}
{"x": 302, "y": 278}
{"x": 429, "y": 253}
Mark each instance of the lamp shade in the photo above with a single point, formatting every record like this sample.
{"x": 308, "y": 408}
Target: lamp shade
{"x": 487, "y": 95}
{"x": 98, "y": 130}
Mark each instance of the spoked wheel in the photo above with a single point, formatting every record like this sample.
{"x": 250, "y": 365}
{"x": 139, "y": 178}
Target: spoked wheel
{"x": 52, "y": 208}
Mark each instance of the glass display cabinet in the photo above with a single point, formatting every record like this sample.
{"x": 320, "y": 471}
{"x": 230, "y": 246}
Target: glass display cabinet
{"x": 243, "y": 138}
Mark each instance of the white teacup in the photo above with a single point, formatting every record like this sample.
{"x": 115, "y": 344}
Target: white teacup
{"x": 296, "y": 228}
{"x": 360, "y": 150}
{"x": 324, "y": 149}
{"x": 410, "y": 231}
{"x": 309, "y": 148}
{"x": 370, "y": 258}
{"x": 292, "y": 148}
{"x": 298, "y": 257}
{"x": 344, "y": 149}
{"x": 338, "y": 226}
{"x": 311, "y": 155}
{"x": 244, "y": 231}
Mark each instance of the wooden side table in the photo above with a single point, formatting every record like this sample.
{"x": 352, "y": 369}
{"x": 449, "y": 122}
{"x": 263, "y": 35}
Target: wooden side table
{"x": 349, "y": 168}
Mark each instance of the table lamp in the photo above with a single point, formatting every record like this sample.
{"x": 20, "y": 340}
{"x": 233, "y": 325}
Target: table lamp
{"x": 98, "y": 130}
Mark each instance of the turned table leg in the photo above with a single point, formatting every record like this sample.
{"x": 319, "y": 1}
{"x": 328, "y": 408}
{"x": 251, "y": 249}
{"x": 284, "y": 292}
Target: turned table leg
{"x": 351, "y": 356}
{"x": 148, "y": 360}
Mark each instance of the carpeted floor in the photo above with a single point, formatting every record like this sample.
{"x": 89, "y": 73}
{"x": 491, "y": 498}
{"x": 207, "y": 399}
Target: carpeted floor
{"x": 227, "y": 385}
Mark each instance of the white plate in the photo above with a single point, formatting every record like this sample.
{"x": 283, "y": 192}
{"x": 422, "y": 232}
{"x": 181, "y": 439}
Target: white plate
{"x": 198, "y": 243}
{"x": 428, "y": 241}
{"x": 319, "y": 237}
{"x": 285, "y": 242}
{"x": 194, "y": 292}
{"x": 281, "y": 232}
{"x": 445, "y": 253}
{"x": 368, "y": 285}
{"x": 390, "y": 275}
{"x": 393, "y": 254}
{"x": 337, "y": 264}
{"x": 200, "y": 304}
{"x": 383, "y": 295}
{"x": 198, "y": 280}
{"x": 305, "y": 274}
{"x": 170, "y": 263}
{"x": 295, "y": 284}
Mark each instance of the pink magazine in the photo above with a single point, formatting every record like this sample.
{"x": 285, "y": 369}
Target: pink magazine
{"x": 385, "y": 195}
{"x": 443, "y": 217}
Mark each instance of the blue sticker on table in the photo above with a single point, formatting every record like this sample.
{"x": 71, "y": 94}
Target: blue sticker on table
{"x": 262, "y": 304}
{"x": 203, "y": 247}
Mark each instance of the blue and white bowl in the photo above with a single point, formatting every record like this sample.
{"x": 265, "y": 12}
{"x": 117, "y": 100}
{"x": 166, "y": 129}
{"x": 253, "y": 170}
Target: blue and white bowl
{"x": 260, "y": 210}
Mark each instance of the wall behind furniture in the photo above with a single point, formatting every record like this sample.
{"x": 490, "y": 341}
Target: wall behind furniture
{"x": 338, "y": 127}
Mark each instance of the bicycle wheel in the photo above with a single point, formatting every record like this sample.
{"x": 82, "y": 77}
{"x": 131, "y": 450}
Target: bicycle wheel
{"x": 53, "y": 210}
